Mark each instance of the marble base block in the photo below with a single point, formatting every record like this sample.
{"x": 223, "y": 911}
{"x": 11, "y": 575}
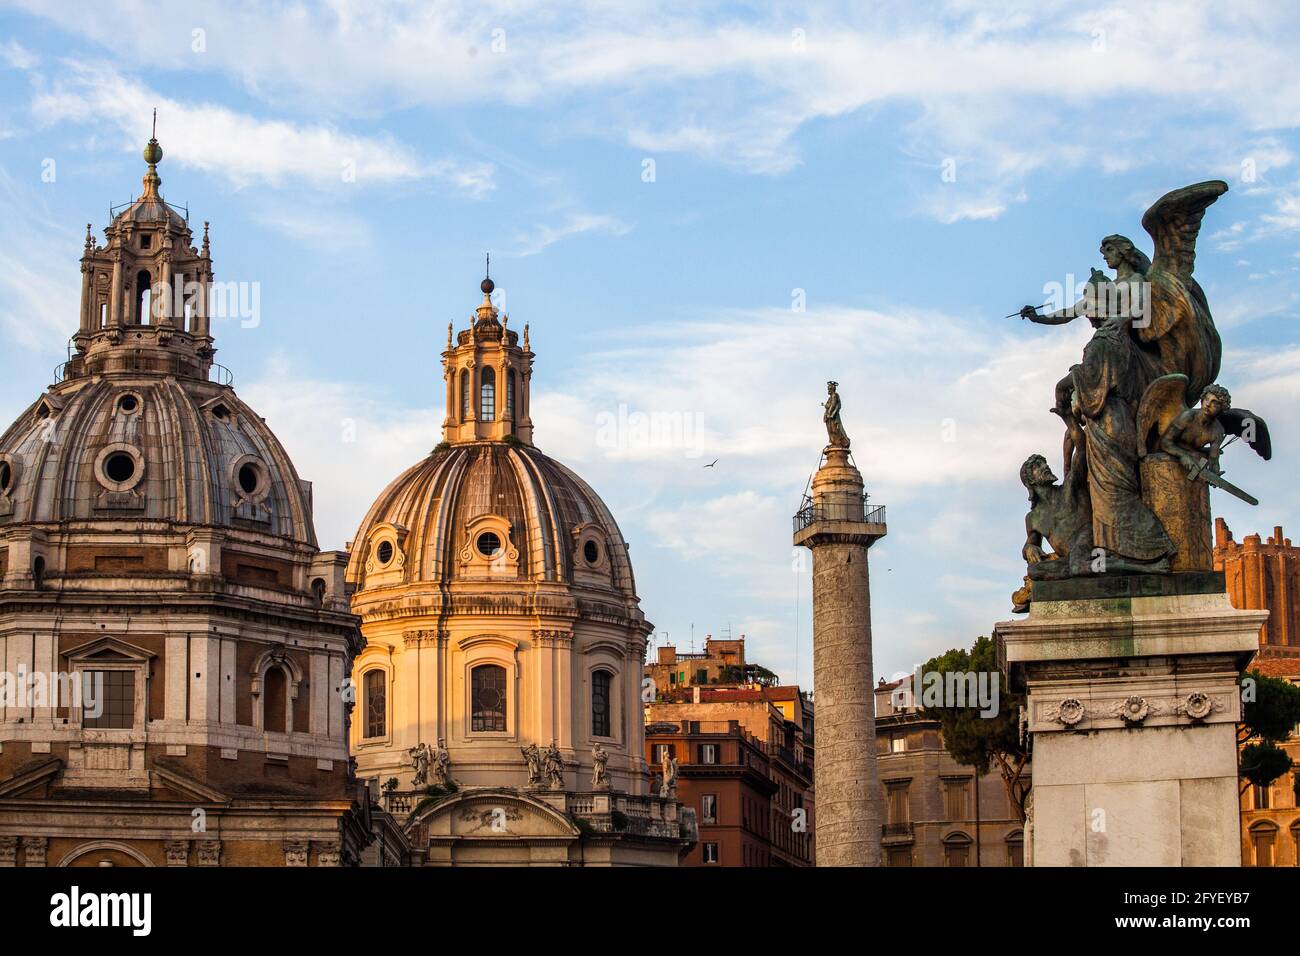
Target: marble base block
{"x": 1132, "y": 706}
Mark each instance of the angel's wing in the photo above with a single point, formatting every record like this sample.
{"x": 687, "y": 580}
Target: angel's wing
{"x": 1161, "y": 403}
{"x": 1248, "y": 426}
{"x": 1174, "y": 222}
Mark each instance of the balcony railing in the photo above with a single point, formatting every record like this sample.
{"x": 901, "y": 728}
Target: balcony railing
{"x": 810, "y": 513}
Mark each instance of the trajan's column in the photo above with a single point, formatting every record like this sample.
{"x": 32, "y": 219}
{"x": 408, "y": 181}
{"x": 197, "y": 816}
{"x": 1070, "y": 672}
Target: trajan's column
{"x": 837, "y": 526}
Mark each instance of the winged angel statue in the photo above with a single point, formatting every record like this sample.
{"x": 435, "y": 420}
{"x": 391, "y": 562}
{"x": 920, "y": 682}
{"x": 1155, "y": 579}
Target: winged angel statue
{"x": 1152, "y": 324}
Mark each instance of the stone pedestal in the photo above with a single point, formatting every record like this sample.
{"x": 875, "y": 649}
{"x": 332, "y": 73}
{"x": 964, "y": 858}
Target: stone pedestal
{"x": 1132, "y": 706}
{"x": 838, "y": 528}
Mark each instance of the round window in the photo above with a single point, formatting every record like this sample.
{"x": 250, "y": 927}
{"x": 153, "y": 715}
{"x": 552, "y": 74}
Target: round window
{"x": 119, "y": 467}
{"x": 591, "y": 551}
{"x": 250, "y": 479}
{"x": 128, "y": 403}
{"x": 489, "y": 544}
{"x": 384, "y": 552}
{"x": 6, "y": 475}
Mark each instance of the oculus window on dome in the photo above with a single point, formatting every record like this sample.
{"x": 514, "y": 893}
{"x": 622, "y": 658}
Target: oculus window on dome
{"x": 119, "y": 467}
{"x": 489, "y": 544}
{"x": 384, "y": 552}
{"x": 6, "y": 477}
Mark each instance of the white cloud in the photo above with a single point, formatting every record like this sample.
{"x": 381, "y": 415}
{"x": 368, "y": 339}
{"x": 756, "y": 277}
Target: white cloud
{"x": 533, "y": 241}
{"x": 38, "y": 291}
{"x": 17, "y": 57}
{"x": 1027, "y": 88}
{"x": 242, "y": 148}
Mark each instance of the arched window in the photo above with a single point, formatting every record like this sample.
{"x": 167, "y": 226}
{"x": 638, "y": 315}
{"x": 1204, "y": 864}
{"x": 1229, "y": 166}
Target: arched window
{"x": 487, "y": 406}
{"x": 143, "y": 296}
{"x": 488, "y": 705}
{"x": 510, "y": 394}
{"x": 275, "y": 699}
{"x": 1263, "y": 836}
{"x": 600, "y": 681}
{"x": 375, "y": 686}
{"x": 465, "y": 400}
{"x": 956, "y": 850}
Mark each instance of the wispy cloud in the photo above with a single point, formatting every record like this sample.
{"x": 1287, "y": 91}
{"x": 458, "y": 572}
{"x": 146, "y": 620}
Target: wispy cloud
{"x": 533, "y": 241}
{"x": 1031, "y": 88}
{"x": 240, "y": 148}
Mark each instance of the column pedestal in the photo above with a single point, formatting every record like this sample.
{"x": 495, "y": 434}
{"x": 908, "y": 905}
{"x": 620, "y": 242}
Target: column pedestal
{"x": 1132, "y": 702}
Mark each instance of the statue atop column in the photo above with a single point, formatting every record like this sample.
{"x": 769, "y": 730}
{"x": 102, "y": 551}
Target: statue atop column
{"x": 834, "y": 427}
{"x": 1154, "y": 346}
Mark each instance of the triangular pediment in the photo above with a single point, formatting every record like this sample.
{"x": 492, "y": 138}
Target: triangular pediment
{"x": 104, "y": 649}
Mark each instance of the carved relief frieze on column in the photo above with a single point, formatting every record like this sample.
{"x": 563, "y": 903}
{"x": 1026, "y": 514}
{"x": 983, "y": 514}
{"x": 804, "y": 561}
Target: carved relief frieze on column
{"x": 177, "y": 852}
{"x": 34, "y": 849}
{"x": 8, "y": 851}
{"x": 209, "y": 853}
{"x": 295, "y": 852}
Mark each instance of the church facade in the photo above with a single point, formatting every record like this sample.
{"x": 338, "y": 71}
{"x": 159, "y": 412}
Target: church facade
{"x": 175, "y": 647}
{"x": 499, "y": 691}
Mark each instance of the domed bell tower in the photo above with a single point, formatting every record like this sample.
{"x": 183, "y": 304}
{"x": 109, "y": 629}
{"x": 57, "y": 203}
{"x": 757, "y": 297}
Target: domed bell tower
{"x": 488, "y": 375}
{"x": 145, "y": 292}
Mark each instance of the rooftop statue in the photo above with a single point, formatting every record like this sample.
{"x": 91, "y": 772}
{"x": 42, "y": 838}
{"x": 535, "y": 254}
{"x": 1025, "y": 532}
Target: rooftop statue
{"x": 1151, "y": 323}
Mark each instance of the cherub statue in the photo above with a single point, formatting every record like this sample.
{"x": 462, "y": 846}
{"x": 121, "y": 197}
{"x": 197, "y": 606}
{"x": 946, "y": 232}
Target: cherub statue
{"x": 533, "y": 758}
{"x": 834, "y": 427}
{"x": 1195, "y": 436}
{"x": 1059, "y": 514}
{"x": 599, "y": 763}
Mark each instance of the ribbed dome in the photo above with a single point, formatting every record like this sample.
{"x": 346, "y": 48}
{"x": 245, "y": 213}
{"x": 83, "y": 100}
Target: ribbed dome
{"x": 152, "y": 210}
{"x": 551, "y": 514}
{"x": 150, "y": 448}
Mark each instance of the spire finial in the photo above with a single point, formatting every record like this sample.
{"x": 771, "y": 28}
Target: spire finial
{"x": 487, "y": 285}
{"x": 153, "y": 155}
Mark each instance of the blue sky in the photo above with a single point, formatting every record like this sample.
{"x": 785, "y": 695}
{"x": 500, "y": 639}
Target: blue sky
{"x": 911, "y": 173}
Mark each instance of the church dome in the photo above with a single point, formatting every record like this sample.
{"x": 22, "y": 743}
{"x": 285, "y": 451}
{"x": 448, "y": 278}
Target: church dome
{"x": 142, "y": 447}
{"x": 135, "y": 429}
{"x": 497, "y": 600}
{"x": 447, "y": 516}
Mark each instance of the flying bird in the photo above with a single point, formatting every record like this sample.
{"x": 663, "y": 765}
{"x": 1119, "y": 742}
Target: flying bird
{"x": 712, "y": 463}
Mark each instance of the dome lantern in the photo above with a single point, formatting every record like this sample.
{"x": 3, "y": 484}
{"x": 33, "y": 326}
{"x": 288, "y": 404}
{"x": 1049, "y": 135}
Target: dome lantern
{"x": 488, "y": 378}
